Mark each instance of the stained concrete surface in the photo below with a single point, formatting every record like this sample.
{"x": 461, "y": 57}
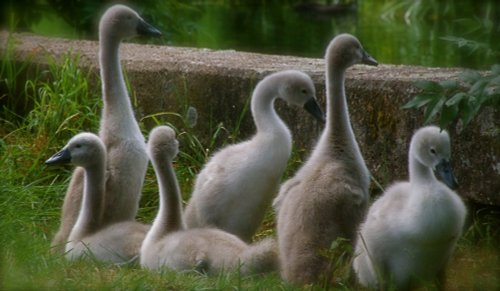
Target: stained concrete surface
{"x": 219, "y": 83}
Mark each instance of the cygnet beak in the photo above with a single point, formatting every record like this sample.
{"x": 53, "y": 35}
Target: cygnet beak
{"x": 369, "y": 60}
{"x": 446, "y": 174}
{"x": 146, "y": 29}
{"x": 313, "y": 108}
{"x": 62, "y": 157}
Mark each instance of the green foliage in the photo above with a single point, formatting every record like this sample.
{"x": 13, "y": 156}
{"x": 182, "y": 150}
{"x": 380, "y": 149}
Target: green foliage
{"x": 64, "y": 103}
{"x": 12, "y": 74}
{"x": 411, "y": 10}
{"x": 471, "y": 45}
{"x": 462, "y": 100}
{"x": 429, "y": 23}
{"x": 17, "y": 14}
{"x": 453, "y": 100}
{"x": 41, "y": 114}
{"x": 340, "y": 257}
{"x": 173, "y": 18}
{"x": 483, "y": 228}
{"x": 278, "y": 27}
{"x": 474, "y": 37}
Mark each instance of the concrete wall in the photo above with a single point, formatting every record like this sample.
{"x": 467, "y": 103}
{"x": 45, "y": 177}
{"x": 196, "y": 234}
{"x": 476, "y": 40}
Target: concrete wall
{"x": 219, "y": 83}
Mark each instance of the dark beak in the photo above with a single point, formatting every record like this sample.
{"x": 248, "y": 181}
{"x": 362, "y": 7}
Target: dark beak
{"x": 312, "y": 107}
{"x": 62, "y": 157}
{"x": 444, "y": 171}
{"x": 368, "y": 60}
{"x": 146, "y": 29}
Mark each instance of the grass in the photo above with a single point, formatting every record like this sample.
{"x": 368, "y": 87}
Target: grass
{"x": 60, "y": 103}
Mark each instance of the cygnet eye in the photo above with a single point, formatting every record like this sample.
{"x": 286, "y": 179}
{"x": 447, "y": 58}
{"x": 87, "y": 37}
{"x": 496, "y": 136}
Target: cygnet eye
{"x": 433, "y": 151}
{"x": 304, "y": 91}
{"x": 78, "y": 146}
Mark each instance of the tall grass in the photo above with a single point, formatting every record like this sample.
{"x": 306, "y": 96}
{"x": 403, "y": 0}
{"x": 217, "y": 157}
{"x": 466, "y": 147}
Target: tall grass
{"x": 61, "y": 103}
{"x": 62, "y": 106}
{"x": 11, "y": 76}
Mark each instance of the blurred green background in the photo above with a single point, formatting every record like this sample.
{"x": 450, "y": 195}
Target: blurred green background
{"x": 444, "y": 33}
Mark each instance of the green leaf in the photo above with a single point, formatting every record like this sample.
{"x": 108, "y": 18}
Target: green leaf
{"x": 419, "y": 101}
{"x": 495, "y": 69}
{"x": 495, "y": 79}
{"x": 448, "y": 84}
{"x": 470, "y": 24}
{"x": 456, "y": 99}
{"x": 493, "y": 101}
{"x": 468, "y": 113}
{"x": 433, "y": 108}
{"x": 459, "y": 41}
{"x": 428, "y": 85}
{"x": 470, "y": 76}
{"x": 339, "y": 243}
{"x": 478, "y": 87}
{"x": 451, "y": 38}
{"x": 448, "y": 115}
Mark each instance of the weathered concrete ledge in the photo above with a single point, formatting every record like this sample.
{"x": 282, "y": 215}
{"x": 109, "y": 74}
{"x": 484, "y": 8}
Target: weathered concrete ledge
{"x": 219, "y": 83}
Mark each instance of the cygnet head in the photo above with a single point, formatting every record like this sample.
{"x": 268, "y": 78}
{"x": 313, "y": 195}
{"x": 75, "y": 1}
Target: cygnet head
{"x": 121, "y": 22}
{"x": 297, "y": 88}
{"x": 162, "y": 144}
{"x": 84, "y": 149}
{"x": 431, "y": 147}
{"x": 345, "y": 50}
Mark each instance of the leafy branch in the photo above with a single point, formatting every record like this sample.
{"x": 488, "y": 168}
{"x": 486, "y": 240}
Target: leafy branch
{"x": 459, "y": 100}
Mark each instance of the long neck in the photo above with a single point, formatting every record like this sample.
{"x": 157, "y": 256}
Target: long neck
{"x": 117, "y": 111}
{"x": 169, "y": 217}
{"x": 419, "y": 173}
{"x": 338, "y": 134}
{"x": 266, "y": 119}
{"x": 89, "y": 218}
